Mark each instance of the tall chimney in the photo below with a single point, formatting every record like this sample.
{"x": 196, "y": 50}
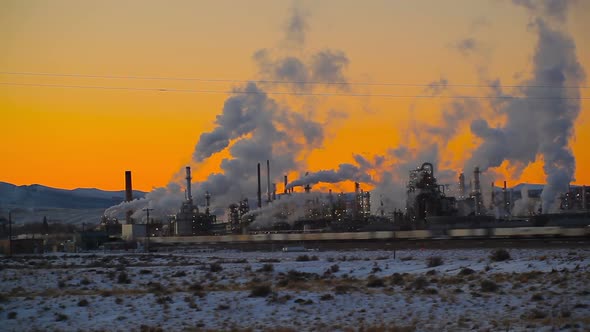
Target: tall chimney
{"x": 461, "y": 185}
{"x": 477, "y": 190}
{"x": 268, "y": 190}
{"x": 355, "y": 211}
{"x": 128, "y": 196}
{"x": 128, "y": 187}
{"x": 285, "y": 183}
{"x": 208, "y": 202}
{"x": 259, "y": 189}
{"x": 189, "y": 195}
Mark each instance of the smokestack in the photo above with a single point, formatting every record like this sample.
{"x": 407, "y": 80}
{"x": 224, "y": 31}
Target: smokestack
{"x": 285, "y": 183}
{"x": 128, "y": 187}
{"x": 128, "y": 195}
{"x": 461, "y": 185}
{"x": 477, "y": 190}
{"x": 208, "y": 200}
{"x": 357, "y": 202}
{"x": 259, "y": 189}
{"x": 189, "y": 195}
{"x": 476, "y": 184}
{"x": 268, "y": 191}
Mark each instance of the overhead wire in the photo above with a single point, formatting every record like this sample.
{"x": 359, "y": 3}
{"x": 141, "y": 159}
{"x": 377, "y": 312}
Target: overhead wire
{"x": 224, "y": 80}
{"x": 292, "y": 93}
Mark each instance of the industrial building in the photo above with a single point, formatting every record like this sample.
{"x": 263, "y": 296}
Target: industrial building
{"x": 189, "y": 221}
{"x": 425, "y": 197}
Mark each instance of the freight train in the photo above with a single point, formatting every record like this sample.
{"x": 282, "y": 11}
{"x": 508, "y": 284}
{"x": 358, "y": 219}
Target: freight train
{"x": 424, "y": 234}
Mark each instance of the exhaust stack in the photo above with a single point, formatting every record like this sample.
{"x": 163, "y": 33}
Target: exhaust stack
{"x": 128, "y": 196}
{"x": 461, "y": 185}
{"x": 189, "y": 195}
{"x": 128, "y": 187}
{"x": 285, "y": 184}
{"x": 259, "y": 189}
{"x": 477, "y": 190}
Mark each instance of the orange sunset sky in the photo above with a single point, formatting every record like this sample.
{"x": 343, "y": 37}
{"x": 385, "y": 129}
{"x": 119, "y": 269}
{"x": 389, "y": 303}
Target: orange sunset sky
{"x": 70, "y": 136}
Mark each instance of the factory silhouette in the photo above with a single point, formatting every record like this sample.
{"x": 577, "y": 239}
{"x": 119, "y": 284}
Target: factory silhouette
{"x": 429, "y": 206}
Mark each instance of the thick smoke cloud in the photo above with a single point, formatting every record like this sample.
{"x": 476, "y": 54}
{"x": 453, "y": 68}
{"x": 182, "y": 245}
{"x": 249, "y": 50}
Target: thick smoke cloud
{"x": 258, "y": 129}
{"x": 343, "y": 173}
{"x": 536, "y": 127}
{"x": 164, "y": 201}
{"x": 552, "y": 9}
{"x": 255, "y": 127}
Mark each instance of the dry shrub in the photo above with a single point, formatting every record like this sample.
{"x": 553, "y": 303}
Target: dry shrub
{"x": 374, "y": 282}
{"x": 397, "y": 279}
{"x": 466, "y": 271}
{"x": 262, "y": 290}
{"x": 536, "y": 314}
{"x": 500, "y": 255}
{"x": 266, "y": 268}
{"x": 59, "y": 317}
{"x": 344, "y": 289}
{"x": 419, "y": 284}
{"x": 178, "y": 274}
{"x": 123, "y": 278}
{"x": 434, "y": 261}
{"x": 489, "y": 286}
{"x": 215, "y": 267}
{"x": 306, "y": 258}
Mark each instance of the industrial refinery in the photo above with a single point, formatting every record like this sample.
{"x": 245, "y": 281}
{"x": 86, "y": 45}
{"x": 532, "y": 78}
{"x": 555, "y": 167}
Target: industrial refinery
{"x": 431, "y": 210}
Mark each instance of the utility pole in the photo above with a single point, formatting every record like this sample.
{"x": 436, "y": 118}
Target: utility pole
{"x": 147, "y": 229}
{"x": 9, "y": 233}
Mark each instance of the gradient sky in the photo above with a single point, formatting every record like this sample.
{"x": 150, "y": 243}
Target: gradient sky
{"x": 73, "y": 137}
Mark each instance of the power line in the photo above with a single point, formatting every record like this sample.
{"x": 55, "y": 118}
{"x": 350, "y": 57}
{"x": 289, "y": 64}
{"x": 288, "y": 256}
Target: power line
{"x": 221, "y": 80}
{"x": 293, "y": 93}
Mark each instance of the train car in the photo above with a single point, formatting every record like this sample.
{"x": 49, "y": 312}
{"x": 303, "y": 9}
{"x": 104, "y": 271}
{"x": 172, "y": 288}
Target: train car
{"x": 575, "y": 231}
{"x": 382, "y": 235}
{"x": 526, "y": 232}
{"x": 278, "y": 237}
{"x": 468, "y": 232}
{"x": 415, "y": 234}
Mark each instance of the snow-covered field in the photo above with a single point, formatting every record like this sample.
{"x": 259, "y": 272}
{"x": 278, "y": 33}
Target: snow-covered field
{"x": 536, "y": 289}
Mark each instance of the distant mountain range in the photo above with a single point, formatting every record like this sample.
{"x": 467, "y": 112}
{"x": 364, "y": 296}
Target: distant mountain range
{"x": 41, "y": 197}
